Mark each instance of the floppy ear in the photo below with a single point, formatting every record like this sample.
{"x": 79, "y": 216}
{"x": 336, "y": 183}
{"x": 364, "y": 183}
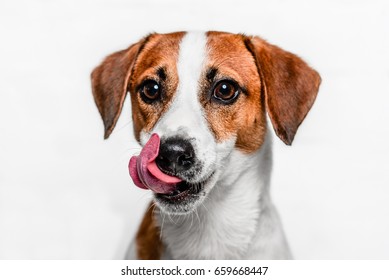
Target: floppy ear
{"x": 290, "y": 86}
{"x": 109, "y": 84}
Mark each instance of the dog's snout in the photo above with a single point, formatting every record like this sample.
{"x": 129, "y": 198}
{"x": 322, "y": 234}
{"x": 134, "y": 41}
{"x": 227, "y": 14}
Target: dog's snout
{"x": 175, "y": 155}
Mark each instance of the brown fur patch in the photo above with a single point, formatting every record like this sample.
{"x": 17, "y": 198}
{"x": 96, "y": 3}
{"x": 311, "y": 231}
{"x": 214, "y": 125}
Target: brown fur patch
{"x": 148, "y": 242}
{"x": 160, "y": 52}
{"x": 245, "y": 118}
{"x": 291, "y": 86}
{"x": 109, "y": 84}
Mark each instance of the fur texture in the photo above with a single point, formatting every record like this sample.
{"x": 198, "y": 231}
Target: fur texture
{"x": 229, "y": 213}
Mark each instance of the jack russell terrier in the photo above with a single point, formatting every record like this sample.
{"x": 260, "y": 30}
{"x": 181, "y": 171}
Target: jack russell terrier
{"x": 199, "y": 103}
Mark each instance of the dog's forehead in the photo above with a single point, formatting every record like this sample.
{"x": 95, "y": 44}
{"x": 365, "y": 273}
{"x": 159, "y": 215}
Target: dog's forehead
{"x": 226, "y": 45}
{"x": 159, "y": 51}
{"x": 228, "y": 54}
{"x": 224, "y": 51}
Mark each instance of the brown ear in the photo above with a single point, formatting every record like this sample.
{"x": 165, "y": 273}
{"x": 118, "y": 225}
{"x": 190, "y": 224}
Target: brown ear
{"x": 109, "y": 84}
{"x": 290, "y": 84}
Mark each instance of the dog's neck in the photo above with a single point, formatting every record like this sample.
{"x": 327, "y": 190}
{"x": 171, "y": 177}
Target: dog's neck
{"x": 229, "y": 221}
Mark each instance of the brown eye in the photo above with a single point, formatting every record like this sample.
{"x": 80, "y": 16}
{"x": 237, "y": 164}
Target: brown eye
{"x": 150, "y": 91}
{"x": 225, "y": 91}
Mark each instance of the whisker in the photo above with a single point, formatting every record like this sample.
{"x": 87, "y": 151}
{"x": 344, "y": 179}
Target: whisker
{"x": 191, "y": 223}
{"x": 124, "y": 126}
{"x": 163, "y": 221}
{"x": 131, "y": 149}
{"x": 152, "y": 204}
{"x": 206, "y": 209}
{"x": 198, "y": 217}
{"x": 171, "y": 219}
{"x": 144, "y": 196}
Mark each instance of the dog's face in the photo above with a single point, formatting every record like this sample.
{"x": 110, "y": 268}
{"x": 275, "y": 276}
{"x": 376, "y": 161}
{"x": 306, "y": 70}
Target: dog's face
{"x": 205, "y": 95}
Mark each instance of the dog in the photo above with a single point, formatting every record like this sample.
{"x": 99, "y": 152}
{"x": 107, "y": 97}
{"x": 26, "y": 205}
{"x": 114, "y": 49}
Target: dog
{"x": 205, "y": 98}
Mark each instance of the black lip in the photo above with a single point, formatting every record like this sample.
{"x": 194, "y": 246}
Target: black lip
{"x": 184, "y": 190}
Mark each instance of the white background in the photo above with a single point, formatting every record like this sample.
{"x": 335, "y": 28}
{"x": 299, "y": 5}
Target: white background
{"x": 66, "y": 194}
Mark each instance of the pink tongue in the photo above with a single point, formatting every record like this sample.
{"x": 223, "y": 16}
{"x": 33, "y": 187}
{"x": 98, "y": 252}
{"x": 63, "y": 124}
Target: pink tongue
{"x": 145, "y": 172}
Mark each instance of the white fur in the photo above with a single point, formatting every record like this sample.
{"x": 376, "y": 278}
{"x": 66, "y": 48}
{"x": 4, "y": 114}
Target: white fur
{"x": 235, "y": 219}
{"x": 185, "y": 115}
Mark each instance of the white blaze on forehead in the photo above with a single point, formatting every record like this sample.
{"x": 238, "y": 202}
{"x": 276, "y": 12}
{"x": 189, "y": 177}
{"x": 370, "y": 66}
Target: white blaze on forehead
{"x": 191, "y": 59}
{"x": 185, "y": 112}
{"x": 190, "y": 62}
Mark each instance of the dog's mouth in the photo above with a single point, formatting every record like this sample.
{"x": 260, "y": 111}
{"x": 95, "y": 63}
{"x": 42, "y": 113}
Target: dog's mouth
{"x": 185, "y": 197}
{"x": 184, "y": 191}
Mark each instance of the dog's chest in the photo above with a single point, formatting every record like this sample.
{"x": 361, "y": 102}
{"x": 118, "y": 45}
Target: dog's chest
{"x": 222, "y": 228}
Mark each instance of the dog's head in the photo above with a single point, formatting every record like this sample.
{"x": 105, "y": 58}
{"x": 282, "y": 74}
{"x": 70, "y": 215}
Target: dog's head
{"x": 205, "y": 95}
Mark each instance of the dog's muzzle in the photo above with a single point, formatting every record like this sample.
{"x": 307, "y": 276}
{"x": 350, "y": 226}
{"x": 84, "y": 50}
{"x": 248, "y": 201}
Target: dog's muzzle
{"x": 169, "y": 167}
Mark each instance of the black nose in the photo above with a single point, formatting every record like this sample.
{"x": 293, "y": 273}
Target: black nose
{"x": 175, "y": 155}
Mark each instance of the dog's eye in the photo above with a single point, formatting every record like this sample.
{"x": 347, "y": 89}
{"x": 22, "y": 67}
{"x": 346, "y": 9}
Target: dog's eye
{"x": 150, "y": 91}
{"x": 225, "y": 91}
